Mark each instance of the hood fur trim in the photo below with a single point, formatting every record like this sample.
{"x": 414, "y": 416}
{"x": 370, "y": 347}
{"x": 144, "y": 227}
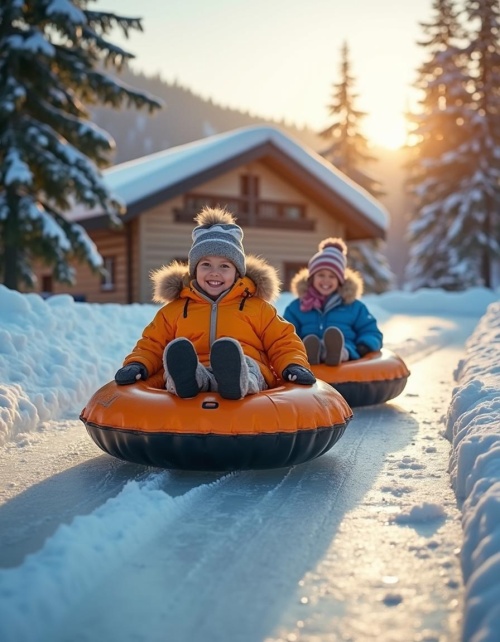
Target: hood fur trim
{"x": 169, "y": 280}
{"x": 350, "y": 290}
{"x": 265, "y": 277}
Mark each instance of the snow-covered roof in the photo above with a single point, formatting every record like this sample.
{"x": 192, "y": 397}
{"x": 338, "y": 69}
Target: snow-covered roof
{"x": 141, "y": 178}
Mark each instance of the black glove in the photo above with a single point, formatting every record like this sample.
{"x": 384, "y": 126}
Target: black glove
{"x": 362, "y": 349}
{"x": 131, "y": 373}
{"x": 298, "y": 374}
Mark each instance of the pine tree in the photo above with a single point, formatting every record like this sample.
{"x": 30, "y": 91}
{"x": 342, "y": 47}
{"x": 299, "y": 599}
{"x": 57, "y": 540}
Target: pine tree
{"x": 53, "y": 57}
{"x": 348, "y": 151}
{"x": 455, "y": 176}
{"x": 483, "y": 186}
{"x": 441, "y": 241}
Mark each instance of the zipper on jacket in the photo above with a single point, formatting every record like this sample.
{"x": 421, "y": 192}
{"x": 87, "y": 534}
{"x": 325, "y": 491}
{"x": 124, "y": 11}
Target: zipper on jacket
{"x": 213, "y": 323}
{"x": 321, "y": 321}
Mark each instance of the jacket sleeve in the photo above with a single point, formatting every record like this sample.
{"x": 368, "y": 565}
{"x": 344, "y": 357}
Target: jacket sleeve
{"x": 366, "y": 329}
{"x": 291, "y": 316}
{"x": 281, "y": 343}
{"x": 149, "y": 349}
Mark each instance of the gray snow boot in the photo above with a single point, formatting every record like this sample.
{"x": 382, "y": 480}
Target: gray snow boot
{"x": 334, "y": 346}
{"x": 230, "y": 368}
{"x": 312, "y": 344}
{"x": 181, "y": 362}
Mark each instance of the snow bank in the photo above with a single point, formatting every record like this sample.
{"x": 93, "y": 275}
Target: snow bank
{"x": 473, "y": 427}
{"x": 55, "y": 353}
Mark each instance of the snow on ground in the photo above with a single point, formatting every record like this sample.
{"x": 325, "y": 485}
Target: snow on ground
{"x": 473, "y": 428}
{"x": 54, "y": 354}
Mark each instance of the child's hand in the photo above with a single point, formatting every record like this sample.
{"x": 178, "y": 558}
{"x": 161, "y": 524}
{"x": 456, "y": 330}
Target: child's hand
{"x": 362, "y": 349}
{"x": 298, "y": 374}
{"x": 131, "y": 373}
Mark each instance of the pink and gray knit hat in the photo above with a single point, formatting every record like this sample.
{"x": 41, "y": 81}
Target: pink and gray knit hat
{"x": 332, "y": 256}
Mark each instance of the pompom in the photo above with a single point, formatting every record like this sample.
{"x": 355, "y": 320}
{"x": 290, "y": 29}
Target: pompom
{"x": 333, "y": 242}
{"x": 214, "y": 216}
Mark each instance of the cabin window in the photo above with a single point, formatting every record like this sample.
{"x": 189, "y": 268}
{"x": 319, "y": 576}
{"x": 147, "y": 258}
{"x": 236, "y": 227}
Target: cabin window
{"x": 197, "y": 203}
{"x": 108, "y": 278}
{"x": 293, "y": 212}
{"x": 268, "y": 210}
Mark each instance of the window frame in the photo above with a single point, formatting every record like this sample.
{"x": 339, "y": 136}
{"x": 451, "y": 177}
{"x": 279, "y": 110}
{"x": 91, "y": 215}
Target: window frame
{"x": 108, "y": 280}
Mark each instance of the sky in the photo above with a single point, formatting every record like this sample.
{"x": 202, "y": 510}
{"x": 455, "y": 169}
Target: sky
{"x": 280, "y": 59}
{"x": 55, "y": 353}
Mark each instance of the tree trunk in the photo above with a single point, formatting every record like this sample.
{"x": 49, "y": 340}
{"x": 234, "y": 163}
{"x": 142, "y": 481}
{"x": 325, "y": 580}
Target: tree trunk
{"x": 10, "y": 278}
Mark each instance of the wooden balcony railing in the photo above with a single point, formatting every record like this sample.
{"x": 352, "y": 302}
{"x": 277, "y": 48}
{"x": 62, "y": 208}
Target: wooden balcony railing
{"x": 249, "y": 212}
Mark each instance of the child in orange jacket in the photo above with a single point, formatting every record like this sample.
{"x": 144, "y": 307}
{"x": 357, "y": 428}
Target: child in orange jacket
{"x": 217, "y": 330}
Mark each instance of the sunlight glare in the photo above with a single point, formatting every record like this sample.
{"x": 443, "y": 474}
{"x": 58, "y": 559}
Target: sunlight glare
{"x": 386, "y": 130}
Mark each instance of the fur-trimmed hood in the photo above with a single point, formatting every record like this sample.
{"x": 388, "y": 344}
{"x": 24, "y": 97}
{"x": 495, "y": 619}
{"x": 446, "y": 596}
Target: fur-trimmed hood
{"x": 350, "y": 290}
{"x": 170, "y": 280}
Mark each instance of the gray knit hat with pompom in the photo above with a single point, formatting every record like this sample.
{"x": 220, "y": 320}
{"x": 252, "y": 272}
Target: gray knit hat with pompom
{"x": 217, "y": 235}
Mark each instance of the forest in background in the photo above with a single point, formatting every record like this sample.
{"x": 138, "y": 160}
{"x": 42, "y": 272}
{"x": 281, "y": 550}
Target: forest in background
{"x": 185, "y": 117}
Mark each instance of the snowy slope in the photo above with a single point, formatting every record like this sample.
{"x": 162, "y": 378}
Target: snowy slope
{"x": 362, "y": 543}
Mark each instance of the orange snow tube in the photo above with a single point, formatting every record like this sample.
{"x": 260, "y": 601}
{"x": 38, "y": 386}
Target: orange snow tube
{"x": 376, "y": 378}
{"x": 145, "y": 424}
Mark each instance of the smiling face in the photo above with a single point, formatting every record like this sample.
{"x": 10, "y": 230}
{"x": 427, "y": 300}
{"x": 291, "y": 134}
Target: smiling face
{"x": 325, "y": 281}
{"x": 215, "y": 274}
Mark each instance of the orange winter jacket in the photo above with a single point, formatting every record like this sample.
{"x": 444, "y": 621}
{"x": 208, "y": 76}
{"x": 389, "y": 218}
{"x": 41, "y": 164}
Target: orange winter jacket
{"x": 241, "y": 314}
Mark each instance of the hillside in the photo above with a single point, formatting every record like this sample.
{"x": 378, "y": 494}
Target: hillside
{"x": 186, "y": 117}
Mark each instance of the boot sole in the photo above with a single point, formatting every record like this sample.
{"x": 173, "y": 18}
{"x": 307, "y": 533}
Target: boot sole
{"x": 313, "y": 348}
{"x": 182, "y": 362}
{"x": 225, "y": 360}
{"x": 334, "y": 342}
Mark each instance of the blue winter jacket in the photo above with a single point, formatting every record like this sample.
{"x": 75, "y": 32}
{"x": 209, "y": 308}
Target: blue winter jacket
{"x": 351, "y": 317}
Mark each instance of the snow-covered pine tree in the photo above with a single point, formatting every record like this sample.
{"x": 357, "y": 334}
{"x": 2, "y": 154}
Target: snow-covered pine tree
{"x": 482, "y": 190}
{"x": 53, "y": 56}
{"x": 348, "y": 151}
{"x": 368, "y": 258}
{"x": 442, "y": 251}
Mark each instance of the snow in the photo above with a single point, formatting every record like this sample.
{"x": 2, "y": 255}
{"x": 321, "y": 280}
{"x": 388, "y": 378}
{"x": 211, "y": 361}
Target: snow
{"x": 55, "y": 353}
{"x": 67, "y": 11}
{"x": 35, "y": 43}
{"x": 137, "y": 179}
{"x": 17, "y": 170}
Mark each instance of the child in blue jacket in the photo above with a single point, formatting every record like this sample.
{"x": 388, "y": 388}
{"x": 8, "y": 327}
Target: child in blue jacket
{"x": 328, "y": 316}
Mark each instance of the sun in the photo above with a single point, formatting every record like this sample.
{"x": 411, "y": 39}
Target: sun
{"x": 387, "y": 130}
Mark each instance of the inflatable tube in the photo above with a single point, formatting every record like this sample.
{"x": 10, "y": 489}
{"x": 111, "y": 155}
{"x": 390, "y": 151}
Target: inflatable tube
{"x": 284, "y": 426}
{"x": 374, "y": 379}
